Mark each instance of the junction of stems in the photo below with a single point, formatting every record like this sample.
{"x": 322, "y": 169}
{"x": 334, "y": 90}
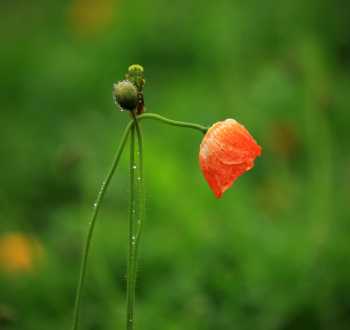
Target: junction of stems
{"x": 137, "y": 205}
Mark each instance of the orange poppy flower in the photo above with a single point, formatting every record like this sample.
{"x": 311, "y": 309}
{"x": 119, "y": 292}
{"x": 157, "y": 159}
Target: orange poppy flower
{"x": 226, "y": 152}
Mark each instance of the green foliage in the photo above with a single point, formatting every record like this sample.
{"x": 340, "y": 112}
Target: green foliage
{"x": 272, "y": 254}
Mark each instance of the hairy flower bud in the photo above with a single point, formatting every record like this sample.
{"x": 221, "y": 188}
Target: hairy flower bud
{"x": 125, "y": 95}
{"x": 136, "y": 76}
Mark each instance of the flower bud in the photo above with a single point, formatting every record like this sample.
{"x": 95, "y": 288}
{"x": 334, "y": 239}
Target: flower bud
{"x": 136, "y": 76}
{"x": 125, "y": 95}
{"x": 135, "y": 68}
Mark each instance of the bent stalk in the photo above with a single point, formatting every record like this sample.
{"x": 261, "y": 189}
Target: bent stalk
{"x": 97, "y": 204}
{"x": 134, "y": 236}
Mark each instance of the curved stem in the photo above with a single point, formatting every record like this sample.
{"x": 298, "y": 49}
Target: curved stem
{"x": 131, "y": 272}
{"x": 168, "y": 121}
{"x": 102, "y": 192}
{"x": 97, "y": 204}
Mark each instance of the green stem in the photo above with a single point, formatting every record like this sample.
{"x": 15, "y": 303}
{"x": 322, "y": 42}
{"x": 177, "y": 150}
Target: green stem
{"x": 131, "y": 272}
{"x": 171, "y": 122}
{"x": 140, "y": 185}
{"x": 97, "y": 204}
{"x": 136, "y": 214}
{"x": 103, "y": 190}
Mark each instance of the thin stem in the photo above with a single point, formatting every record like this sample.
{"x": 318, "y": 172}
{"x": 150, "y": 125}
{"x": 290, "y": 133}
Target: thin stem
{"x": 131, "y": 273}
{"x": 136, "y": 213}
{"x": 154, "y": 116}
{"x": 140, "y": 185}
{"x": 97, "y": 204}
{"x": 100, "y": 197}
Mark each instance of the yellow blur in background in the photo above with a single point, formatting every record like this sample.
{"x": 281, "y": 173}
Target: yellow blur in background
{"x": 272, "y": 254}
{"x": 19, "y": 253}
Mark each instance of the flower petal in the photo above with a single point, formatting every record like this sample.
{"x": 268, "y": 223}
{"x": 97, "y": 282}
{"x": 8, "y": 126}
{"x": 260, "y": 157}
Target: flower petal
{"x": 226, "y": 152}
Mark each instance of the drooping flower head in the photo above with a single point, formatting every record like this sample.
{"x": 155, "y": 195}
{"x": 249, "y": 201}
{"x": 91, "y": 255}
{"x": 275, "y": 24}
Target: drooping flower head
{"x": 226, "y": 152}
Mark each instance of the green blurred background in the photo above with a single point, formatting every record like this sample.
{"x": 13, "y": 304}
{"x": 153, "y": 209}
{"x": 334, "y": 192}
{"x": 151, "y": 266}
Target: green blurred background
{"x": 273, "y": 253}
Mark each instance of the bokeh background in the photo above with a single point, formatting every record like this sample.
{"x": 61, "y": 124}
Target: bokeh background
{"x": 273, "y": 253}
